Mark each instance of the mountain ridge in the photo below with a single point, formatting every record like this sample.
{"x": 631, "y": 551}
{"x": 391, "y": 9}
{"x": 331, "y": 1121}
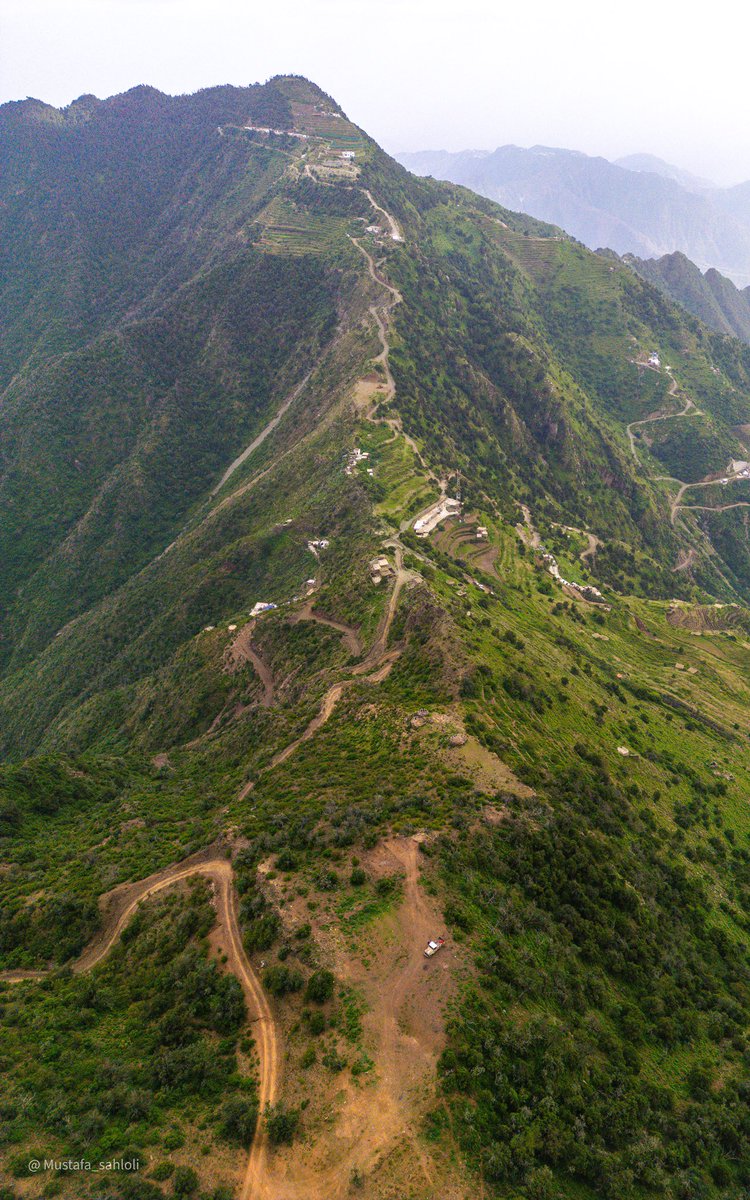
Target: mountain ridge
{"x": 387, "y": 546}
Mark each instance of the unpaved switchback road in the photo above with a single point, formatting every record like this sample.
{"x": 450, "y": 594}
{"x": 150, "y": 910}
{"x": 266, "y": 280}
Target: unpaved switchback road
{"x": 374, "y": 668}
{"x": 117, "y": 909}
{"x": 676, "y": 504}
{"x": 393, "y": 224}
{"x": 349, "y": 634}
{"x": 377, "y": 312}
{"x": 686, "y": 411}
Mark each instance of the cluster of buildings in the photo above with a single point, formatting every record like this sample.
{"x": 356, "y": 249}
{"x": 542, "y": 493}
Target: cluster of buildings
{"x": 586, "y": 590}
{"x": 279, "y": 132}
{"x": 380, "y": 569}
{"x": 355, "y": 456}
{"x": 444, "y": 508}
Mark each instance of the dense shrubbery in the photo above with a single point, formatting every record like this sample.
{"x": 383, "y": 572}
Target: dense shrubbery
{"x": 100, "y": 1058}
{"x": 628, "y": 966}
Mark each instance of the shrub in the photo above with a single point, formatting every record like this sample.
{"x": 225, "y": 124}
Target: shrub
{"x": 239, "y": 1118}
{"x": 317, "y": 1023}
{"x": 320, "y": 987}
{"x": 328, "y": 880}
{"x": 162, "y": 1171}
{"x": 184, "y": 1181}
{"x": 357, "y": 877}
{"x": 281, "y": 980}
{"x": 281, "y": 1123}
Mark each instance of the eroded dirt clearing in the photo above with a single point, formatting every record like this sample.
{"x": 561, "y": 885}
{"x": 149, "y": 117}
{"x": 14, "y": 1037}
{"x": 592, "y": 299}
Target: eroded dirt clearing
{"x": 371, "y": 1127}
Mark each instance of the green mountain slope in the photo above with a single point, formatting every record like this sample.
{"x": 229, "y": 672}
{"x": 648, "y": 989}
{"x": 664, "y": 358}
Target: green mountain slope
{"x": 248, "y": 363}
{"x": 709, "y": 296}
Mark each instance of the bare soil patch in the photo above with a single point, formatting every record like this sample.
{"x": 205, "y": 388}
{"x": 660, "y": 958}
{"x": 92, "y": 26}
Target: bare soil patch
{"x": 372, "y": 1126}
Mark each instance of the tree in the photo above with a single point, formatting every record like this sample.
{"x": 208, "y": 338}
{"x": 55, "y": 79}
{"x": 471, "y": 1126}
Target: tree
{"x": 320, "y": 987}
{"x": 281, "y": 1123}
{"x": 239, "y": 1118}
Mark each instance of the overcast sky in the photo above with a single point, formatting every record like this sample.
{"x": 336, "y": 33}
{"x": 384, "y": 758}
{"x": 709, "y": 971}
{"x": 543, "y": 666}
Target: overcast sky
{"x": 651, "y": 75}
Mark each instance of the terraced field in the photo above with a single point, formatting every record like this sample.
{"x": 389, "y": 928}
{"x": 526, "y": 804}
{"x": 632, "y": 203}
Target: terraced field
{"x": 336, "y": 130}
{"x": 287, "y": 229}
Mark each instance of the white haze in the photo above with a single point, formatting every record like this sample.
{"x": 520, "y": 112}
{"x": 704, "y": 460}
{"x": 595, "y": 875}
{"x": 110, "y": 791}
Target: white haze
{"x": 656, "y": 76}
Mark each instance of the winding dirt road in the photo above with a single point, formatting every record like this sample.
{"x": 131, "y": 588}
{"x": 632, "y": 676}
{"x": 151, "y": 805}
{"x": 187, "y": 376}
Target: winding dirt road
{"x": 688, "y": 410}
{"x": 378, "y": 662}
{"x": 717, "y": 508}
{"x": 393, "y": 224}
{"x": 377, "y": 312}
{"x": 242, "y": 651}
{"x": 117, "y": 909}
{"x": 675, "y": 504}
{"x": 349, "y": 634}
{"x": 593, "y": 541}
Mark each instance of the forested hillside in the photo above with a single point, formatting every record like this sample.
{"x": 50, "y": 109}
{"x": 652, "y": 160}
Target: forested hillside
{"x": 375, "y": 570}
{"x": 709, "y": 296}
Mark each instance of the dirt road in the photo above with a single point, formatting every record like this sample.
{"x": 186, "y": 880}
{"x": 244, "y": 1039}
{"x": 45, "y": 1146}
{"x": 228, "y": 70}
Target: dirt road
{"x": 403, "y": 1028}
{"x": 242, "y": 651}
{"x": 117, "y": 909}
{"x": 685, "y": 560}
{"x": 374, "y": 668}
{"x": 527, "y": 533}
{"x": 688, "y": 410}
{"x": 350, "y": 637}
{"x": 718, "y": 508}
{"x": 385, "y": 396}
{"x": 593, "y": 541}
{"x": 675, "y": 504}
{"x": 393, "y": 224}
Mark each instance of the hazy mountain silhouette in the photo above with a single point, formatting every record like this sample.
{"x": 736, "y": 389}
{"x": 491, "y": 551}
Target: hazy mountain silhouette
{"x": 639, "y": 205}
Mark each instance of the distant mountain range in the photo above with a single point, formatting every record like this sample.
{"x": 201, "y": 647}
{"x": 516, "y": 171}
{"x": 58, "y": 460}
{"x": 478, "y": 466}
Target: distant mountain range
{"x": 639, "y": 205}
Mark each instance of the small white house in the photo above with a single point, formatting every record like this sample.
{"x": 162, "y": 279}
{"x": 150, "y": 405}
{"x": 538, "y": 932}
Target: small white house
{"x": 348, "y": 154}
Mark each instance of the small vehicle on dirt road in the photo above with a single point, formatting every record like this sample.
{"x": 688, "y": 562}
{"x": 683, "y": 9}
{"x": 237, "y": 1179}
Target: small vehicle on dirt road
{"x": 433, "y": 947}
